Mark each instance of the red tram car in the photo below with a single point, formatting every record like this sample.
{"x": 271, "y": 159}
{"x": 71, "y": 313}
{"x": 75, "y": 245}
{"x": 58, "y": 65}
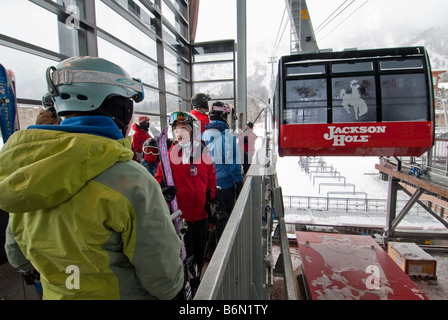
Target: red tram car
{"x": 355, "y": 103}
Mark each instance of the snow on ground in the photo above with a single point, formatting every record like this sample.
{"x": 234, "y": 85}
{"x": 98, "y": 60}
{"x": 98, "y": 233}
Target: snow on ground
{"x": 359, "y": 171}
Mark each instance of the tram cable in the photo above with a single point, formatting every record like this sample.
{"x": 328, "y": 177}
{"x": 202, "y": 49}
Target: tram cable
{"x": 317, "y": 31}
{"x": 330, "y": 15}
{"x": 344, "y": 20}
{"x": 278, "y": 40}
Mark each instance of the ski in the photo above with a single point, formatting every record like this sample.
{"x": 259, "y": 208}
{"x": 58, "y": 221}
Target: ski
{"x": 179, "y": 224}
{"x": 9, "y": 119}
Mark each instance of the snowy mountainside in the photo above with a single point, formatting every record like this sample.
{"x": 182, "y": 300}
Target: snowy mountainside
{"x": 436, "y": 42}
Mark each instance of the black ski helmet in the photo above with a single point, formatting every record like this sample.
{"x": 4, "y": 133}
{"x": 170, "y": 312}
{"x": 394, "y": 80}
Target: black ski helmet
{"x": 200, "y": 100}
{"x": 219, "y": 111}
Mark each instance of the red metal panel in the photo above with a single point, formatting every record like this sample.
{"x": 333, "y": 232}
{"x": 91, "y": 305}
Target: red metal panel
{"x": 352, "y": 267}
{"x": 356, "y": 139}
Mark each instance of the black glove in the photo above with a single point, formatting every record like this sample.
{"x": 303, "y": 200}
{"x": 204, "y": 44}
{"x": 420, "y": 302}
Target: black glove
{"x": 169, "y": 192}
{"x": 238, "y": 188}
{"x": 210, "y": 207}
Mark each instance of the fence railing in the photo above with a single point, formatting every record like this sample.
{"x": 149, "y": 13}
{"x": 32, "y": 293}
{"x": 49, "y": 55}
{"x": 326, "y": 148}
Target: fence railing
{"x": 234, "y": 270}
{"x": 438, "y": 155}
{"x": 241, "y": 267}
{"x": 355, "y": 204}
{"x": 436, "y": 159}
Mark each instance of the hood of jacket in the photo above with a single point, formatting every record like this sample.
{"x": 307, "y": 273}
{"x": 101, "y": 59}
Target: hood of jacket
{"x": 218, "y": 125}
{"x": 46, "y": 165}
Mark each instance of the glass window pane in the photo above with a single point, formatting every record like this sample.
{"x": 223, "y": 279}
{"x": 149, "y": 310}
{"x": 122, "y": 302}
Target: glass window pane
{"x": 305, "y": 70}
{"x": 217, "y": 90}
{"x": 354, "y": 99}
{"x": 172, "y": 83}
{"x": 25, "y": 21}
{"x": 29, "y": 71}
{"x": 401, "y": 64}
{"x": 115, "y": 24}
{"x": 183, "y": 89}
{"x": 136, "y": 67}
{"x": 209, "y": 71}
{"x": 173, "y": 104}
{"x": 170, "y": 16}
{"x": 181, "y": 7}
{"x": 306, "y": 101}
{"x": 352, "y": 67}
{"x": 139, "y": 11}
{"x": 170, "y": 61}
{"x": 214, "y": 51}
{"x": 404, "y": 97}
{"x": 154, "y": 122}
{"x": 151, "y": 103}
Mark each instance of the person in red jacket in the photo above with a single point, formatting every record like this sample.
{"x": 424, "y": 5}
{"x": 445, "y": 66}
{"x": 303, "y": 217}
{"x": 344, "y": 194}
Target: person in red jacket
{"x": 139, "y": 137}
{"x": 193, "y": 174}
{"x": 200, "y": 104}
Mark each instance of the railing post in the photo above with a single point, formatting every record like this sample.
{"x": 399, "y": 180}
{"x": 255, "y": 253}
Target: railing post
{"x": 258, "y": 270}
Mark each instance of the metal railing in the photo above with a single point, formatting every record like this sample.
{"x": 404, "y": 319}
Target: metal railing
{"x": 354, "y": 204}
{"x": 241, "y": 267}
{"x": 438, "y": 155}
{"x": 436, "y": 159}
{"x": 234, "y": 270}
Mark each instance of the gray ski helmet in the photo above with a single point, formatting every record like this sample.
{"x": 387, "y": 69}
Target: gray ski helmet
{"x": 83, "y": 83}
{"x": 200, "y": 100}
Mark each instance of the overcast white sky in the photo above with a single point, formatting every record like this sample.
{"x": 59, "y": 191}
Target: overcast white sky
{"x": 374, "y": 18}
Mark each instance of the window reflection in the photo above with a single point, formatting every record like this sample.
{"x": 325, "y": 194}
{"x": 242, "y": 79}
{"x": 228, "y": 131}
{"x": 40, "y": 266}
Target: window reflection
{"x": 352, "y": 67}
{"x": 115, "y": 24}
{"x": 26, "y": 21}
{"x": 170, "y": 16}
{"x": 172, "y": 83}
{"x": 306, "y": 101}
{"x": 218, "y": 90}
{"x": 404, "y": 97}
{"x": 29, "y": 71}
{"x": 170, "y": 61}
{"x": 136, "y": 67}
{"x": 150, "y": 104}
{"x": 154, "y": 122}
{"x": 354, "y": 99}
{"x": 208, "y": 71}
{"x": 139, "y": 11}
{"x": 173, "y": 104}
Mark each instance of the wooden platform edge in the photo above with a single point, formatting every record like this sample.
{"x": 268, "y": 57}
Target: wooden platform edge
{"x": 424, "y": 184}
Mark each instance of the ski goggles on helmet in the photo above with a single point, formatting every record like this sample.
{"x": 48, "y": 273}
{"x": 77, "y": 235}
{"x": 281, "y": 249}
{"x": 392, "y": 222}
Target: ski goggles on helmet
{"x": 151, "y": 150}
{"x": 221, "y": 107}
{"x": 66, "y": 76}
{"x": 180, "y": 117}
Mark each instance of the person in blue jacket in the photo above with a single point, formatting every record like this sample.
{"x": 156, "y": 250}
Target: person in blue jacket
{"x": 225, "y": 154}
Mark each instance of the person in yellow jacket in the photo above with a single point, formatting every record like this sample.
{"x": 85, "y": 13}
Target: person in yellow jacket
{"x": 92, "y": 222}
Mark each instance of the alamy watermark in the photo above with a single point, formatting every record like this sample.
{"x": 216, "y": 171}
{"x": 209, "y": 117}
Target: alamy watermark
{"x": 73, "y": 280}
{"x": 72, "y": 21}
{"x": 373, "y": 280}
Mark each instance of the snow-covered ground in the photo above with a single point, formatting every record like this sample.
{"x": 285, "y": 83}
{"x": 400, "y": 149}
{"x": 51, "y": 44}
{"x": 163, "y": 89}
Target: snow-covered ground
{"x": 360, "y": 175}
{"x": 359, "y": 171}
